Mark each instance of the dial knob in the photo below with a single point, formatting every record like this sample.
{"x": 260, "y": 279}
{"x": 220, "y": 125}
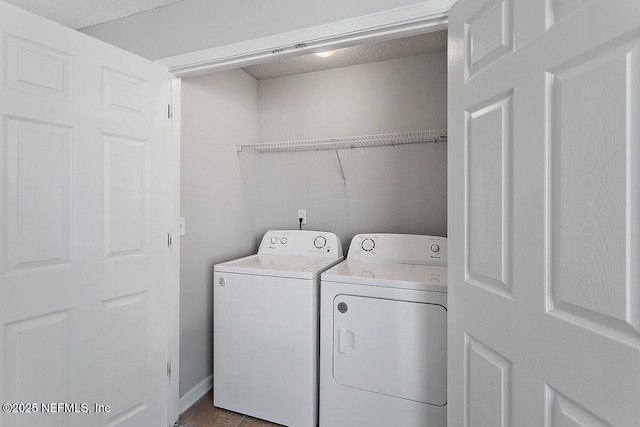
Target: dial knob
{"x": 274, "y": 240}
{"x": 320, "y": 242}
{"x": 368, "y": 244}
{"x": 435, "y": 248}
{"x": 283, "y": 240}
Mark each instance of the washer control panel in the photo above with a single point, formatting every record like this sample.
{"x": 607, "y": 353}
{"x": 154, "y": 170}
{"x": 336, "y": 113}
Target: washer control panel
{"x": 320, "y": 244}
{"x": 368, "y": 244}
{"x": 399, "y": 248}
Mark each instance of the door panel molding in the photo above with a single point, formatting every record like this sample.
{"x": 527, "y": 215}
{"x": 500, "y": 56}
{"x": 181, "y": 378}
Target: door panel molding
{"x": 592, "y": 231}
{"x": 24, "y": 59}
{"x": 488, "y": 35}
{"x": 487, "y": 386}
{"x": 38, "y": 201}
{"x": 488, "y": 136}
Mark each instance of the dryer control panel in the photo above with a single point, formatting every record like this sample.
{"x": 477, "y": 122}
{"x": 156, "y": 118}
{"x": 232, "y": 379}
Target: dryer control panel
{"x": 318, "y": 244}
{"x": 399, "y": 248}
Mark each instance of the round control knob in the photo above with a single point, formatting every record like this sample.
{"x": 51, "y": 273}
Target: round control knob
{"x": 368, "y": 244}
{"x": 320, "y": 242}
{"x": 222, "y": 281}
{"x": 435, "y": 248}
{"x": 283, "y": 240}
{"x": 274, "y": 240}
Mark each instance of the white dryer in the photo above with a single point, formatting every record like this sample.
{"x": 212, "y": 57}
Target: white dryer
{"x": 265, "y": 344}
{"x": 383, "y": 334}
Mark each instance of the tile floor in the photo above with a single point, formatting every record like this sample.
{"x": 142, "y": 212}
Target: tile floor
{"x": 204, "y": 414}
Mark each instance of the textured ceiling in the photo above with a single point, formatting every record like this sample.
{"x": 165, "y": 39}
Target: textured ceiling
{"x": 84, "y": 13}
{"x": 362, "y": 54}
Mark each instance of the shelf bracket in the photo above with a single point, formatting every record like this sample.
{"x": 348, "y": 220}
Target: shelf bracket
{"x": 340, "y": 165}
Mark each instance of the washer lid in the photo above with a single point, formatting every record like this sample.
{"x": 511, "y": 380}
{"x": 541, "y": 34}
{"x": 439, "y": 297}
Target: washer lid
{"x": 392, "y": 275}
{"x": 279, "y": 266}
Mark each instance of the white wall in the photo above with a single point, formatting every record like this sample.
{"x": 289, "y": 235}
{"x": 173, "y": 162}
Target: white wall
{"x": 192, "y": 25}
{"x": 386, "y": 189}
{"x": 218, "y": 111}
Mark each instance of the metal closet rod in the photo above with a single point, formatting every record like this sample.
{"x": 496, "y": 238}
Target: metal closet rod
{"x": 380, "y": 140}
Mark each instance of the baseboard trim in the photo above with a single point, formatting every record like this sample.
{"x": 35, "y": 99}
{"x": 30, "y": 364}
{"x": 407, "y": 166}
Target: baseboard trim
{"x": 193, "y": 395}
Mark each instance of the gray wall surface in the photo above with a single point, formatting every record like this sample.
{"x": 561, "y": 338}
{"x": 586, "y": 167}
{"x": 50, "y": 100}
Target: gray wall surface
{"x": 218, "y": 111}
{"x": 386, "y": 189}
{"x": 193, "y": 25}
{"x": 396, "y": 95}
{"x": 229, "y": 199}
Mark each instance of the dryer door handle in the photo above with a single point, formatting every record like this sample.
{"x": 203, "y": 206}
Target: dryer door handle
{"x": 346, "y": 341}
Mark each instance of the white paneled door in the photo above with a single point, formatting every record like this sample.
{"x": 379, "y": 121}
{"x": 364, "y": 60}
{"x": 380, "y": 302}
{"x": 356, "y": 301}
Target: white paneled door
{"x": 544, "y": 213}
{"x": 84, "y": 261}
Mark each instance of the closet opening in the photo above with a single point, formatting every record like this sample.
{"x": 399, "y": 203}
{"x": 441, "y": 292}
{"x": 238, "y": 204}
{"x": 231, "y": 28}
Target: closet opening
{"x": 230, "y": 198}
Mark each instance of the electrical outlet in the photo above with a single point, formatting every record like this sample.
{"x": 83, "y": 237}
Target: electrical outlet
{"x": 302, "y": 213}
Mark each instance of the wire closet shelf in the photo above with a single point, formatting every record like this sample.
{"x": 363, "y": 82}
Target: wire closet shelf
{"x": 418, "y": 137}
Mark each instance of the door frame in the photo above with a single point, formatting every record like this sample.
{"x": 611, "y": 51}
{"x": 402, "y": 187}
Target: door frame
{"x": 173, "y": 281}
{"x": 418, "y": 18}
{"x": 422, "y": 17}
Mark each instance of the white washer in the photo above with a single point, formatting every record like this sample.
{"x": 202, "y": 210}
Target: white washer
{"x": 383, "y": 334}
{"x": 265, "y": 343}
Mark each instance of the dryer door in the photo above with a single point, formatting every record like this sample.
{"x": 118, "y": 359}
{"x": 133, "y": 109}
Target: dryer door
{"x": 391, "y": 347}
